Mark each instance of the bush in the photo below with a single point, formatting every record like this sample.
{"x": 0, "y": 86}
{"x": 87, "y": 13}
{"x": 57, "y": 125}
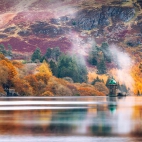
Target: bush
{"x": 47, "y": 93}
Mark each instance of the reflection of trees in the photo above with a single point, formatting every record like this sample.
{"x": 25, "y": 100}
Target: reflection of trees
{"x": 24, "y": 122}
{"x": 39, "y": 121}
{"x": 102, "y": 122}
{"x": 137, "y": 119}
{"x": 63, "y": 121}
{"x": 101, "y": 125}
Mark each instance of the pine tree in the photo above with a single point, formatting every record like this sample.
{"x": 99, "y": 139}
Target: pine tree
{"x": 73, "y": 68}
{"x": 101, "y": 67}
{"x": 57, "y": 53}
{"x": 53, "y": 68}
{"x": 106, "y": 51}
{"x": 9, "y": 50}
{"x": 48, "y": 53}
{"x": 36, "y": 55}
{"x": 108, "y": 80}
{"x": 93, "y": 54}
{"x": 96, "y": 80}
{"x": 2, "y": 49}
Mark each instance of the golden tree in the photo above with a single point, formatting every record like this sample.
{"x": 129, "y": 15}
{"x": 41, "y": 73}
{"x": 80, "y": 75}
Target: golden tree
{"x": 44, "y": 72}
{"x": 100, "y": 86}
{"x": 11, "y": 69}
{"x": 22, "y": 87}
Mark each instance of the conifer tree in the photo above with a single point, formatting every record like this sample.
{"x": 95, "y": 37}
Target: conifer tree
{"x": 101, "y": 67}
{"x": 36, "y": 55}
{"x": 53, "y": 68}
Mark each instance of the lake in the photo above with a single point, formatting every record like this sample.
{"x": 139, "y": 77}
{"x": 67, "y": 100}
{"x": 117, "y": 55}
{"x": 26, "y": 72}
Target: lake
{"x": 70, "y": 119}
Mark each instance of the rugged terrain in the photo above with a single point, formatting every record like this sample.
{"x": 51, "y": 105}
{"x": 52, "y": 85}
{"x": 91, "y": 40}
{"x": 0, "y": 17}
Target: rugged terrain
{"x": 71, "y": 25}
{"x": 26, "y": 25}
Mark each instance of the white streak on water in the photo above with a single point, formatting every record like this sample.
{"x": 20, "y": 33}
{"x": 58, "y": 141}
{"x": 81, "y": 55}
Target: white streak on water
{"x": 38, "y": 108}
{"x": 67, "y": 139}
{"x": 48, "y": 103}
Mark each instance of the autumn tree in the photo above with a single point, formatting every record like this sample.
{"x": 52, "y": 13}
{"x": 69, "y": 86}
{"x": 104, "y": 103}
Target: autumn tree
{"x": 11, "y": 69}
{"x": 3, "y": 74}
{"x": 47, "y": 93}
{"x": 88, "y": 90}
{"x": 31, "y": 79}
{"x": 44, "y": 72}
{"x": 100, "y": 86}
{"x": 58, "y": 87}
{"x": 12, "y": 72}
{"x": 22, "y": 87}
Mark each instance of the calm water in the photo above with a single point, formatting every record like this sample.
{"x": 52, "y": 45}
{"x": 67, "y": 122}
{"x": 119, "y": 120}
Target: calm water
{"x": 71, "y": 119}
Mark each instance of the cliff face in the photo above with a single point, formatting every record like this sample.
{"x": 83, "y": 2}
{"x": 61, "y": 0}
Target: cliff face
{"x": 90, "y": 19}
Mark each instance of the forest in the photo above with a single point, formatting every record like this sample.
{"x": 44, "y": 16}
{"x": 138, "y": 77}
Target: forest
{"x": 58, "y": 74}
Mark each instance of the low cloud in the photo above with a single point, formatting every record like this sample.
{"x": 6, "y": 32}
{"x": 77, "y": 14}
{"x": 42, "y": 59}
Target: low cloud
{"x": 124, "y": 63}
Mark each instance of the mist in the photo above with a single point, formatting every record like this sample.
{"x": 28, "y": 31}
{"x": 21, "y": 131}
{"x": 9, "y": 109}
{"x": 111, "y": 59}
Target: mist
{"x": 124, "y": 63}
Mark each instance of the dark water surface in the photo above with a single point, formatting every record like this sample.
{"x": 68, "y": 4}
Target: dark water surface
{"x": 71, "y": 119}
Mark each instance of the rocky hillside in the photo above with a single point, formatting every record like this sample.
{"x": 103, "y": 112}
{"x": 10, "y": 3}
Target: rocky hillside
{"x": 68, "y": 23}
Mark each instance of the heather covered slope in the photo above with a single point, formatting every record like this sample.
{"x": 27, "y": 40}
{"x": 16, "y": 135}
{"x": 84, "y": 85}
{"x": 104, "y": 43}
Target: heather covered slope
{"x": 28, "y": 24}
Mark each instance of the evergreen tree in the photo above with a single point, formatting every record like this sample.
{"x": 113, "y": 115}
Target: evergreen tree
{"x": 82, "y": 70}
{"x": 101, "y": 67}
{"x": 53, "y": 53}
{"x": 48, "y": 53}
{"x": 119, "y": 86}
{"x": 68, "y": 67}
{"x": 108, "y": 80}
{"x": 2, "y": 49}
{"x": 123, "y": 88}
{"x": 36, "y": 55}
{"x": 57, "y": 53}
{"x": 53, "y": 68}
{"x": 93, "y": 54}
{"x": 9, "y": 50}
{"x": 106, "y": 51}
{"x": 96, "y": 80}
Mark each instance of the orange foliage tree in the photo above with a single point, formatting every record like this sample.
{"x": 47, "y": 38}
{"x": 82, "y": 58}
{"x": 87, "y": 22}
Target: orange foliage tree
{"x": 88, "y": 90}
{"x": 3, "y": 74}
{"x": 38, "y": 86}
{"x": 11, "y": 69}
{"x": 58, "y": 87}
{"x": 101, "y": 87}
{"x": 17, "y": 64}
{"x": 22, "y": 87}
{"x": 137, "y": 76}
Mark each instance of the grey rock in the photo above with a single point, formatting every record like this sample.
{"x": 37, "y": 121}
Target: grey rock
{"x": 90, "y": 19}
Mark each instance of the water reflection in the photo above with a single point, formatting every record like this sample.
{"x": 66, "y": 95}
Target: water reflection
{"x": 87, "y": 116}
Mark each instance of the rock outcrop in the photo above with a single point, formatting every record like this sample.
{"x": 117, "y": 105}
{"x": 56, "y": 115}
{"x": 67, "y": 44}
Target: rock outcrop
{"x": 90, "y": 19}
